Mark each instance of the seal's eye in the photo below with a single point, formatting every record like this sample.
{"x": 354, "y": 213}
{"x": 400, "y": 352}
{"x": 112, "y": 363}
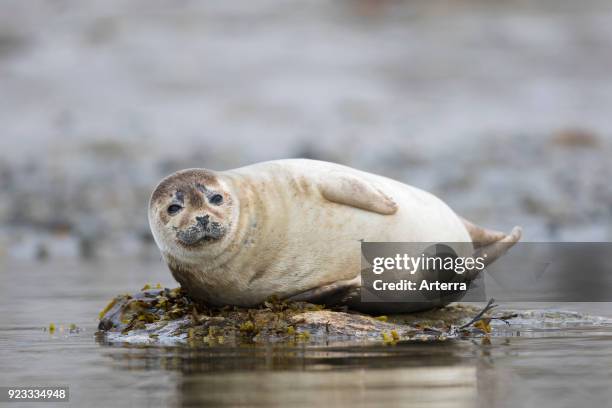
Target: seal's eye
{"x": 216, "y": 199}
{"x": 174, "y": 208}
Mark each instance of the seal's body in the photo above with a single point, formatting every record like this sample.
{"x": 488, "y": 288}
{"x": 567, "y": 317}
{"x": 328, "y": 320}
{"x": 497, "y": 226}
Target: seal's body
{"x": 289, "y": 228}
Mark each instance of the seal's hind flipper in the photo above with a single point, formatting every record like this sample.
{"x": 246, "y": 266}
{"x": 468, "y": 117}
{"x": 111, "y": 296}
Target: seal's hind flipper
{"x": 499, "y": 247}
{"x": 330, "y": 294}
{"x": 493, "y": 250}
{"x": 353, "y": 191}
{"x": 482, "y": 236}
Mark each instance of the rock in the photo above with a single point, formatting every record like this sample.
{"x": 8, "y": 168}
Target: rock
{"x": 163, "y": 316}
{"x": 333, "y": 325}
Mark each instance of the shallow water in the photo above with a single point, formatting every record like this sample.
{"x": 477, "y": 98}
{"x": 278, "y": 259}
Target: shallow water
{"x": 530, "y": 364}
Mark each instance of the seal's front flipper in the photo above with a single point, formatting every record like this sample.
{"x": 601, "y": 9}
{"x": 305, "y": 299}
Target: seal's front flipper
{"x": 353, "y": 191}
{"x": 331, "y": 294}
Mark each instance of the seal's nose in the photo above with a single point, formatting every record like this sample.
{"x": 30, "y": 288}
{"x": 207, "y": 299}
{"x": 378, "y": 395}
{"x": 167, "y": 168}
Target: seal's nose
{"x": 203, "y": 221}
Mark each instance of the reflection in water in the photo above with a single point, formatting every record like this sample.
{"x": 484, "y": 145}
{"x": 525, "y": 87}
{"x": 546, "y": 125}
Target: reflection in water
{"x": 427, "y": 372}
{"x": 261, "y": 358}
{"x": 442, "y": 386}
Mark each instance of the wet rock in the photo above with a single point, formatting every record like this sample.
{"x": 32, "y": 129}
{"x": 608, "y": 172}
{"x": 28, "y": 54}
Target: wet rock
{"x": 350, "y": 326}
{"x": 162, "y": 316}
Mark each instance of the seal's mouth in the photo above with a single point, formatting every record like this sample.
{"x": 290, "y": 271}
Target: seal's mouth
{"x": 202, "y": 231}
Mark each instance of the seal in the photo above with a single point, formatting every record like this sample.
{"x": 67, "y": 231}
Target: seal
{"x": 293, "y": 229}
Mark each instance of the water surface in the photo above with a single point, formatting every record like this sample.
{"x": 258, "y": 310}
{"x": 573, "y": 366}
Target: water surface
{"x": 537, "y": 365}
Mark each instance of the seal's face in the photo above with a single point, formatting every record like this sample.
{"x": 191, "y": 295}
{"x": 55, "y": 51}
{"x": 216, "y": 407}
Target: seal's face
{"x": 190, "y": 209}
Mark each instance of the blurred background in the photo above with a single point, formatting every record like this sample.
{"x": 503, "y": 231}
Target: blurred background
{"x": 503, "y": 109}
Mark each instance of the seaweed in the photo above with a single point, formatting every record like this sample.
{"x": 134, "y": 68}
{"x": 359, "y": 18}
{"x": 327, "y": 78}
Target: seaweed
{"x": 70, "y": 329}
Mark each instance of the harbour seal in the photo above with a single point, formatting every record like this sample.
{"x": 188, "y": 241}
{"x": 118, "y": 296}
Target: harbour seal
{"x": 291, "y": 228}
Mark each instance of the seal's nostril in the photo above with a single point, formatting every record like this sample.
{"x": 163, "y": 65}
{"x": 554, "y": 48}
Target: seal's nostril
{"x": 202, "y": 220}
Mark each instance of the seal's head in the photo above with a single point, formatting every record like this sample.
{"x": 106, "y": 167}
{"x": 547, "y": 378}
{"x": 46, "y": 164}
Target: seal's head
{"x": 189, "y": 211}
